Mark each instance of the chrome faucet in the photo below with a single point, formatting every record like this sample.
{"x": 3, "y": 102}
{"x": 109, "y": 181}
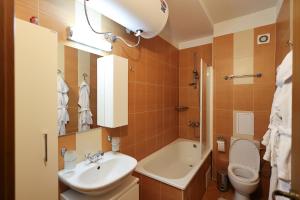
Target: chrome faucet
{"x": 194, "y": 124}
{"x": 93, "y": 158}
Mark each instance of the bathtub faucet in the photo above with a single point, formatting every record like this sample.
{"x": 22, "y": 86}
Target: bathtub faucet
{"x": 93, "y": 158}
{"x": 194, "y": 124}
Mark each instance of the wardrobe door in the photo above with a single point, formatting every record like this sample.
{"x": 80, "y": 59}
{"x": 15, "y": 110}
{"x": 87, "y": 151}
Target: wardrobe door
{"x": 36, "y": 139}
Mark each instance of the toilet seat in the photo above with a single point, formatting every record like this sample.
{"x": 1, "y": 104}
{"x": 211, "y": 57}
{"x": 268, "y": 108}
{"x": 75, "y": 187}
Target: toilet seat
{"x": 245, "y": 153}
{"x": 243, "y": 173}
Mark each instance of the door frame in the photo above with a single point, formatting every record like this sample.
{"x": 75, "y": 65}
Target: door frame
{"x": 296, "y": 98}
{"x": 7, "y": 158}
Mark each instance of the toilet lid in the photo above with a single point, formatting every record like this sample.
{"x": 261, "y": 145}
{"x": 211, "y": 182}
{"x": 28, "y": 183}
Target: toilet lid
{"x": 244, "y": 152}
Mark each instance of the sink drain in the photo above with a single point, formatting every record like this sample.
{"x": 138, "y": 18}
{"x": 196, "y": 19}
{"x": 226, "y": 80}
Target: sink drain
{"x": 191, "y": 165}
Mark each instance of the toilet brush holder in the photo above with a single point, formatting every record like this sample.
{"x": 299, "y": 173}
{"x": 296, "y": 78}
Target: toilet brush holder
{"x": 222, "y": 180}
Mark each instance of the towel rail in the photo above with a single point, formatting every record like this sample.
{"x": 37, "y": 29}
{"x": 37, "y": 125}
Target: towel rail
{"x": 230, "y": 77}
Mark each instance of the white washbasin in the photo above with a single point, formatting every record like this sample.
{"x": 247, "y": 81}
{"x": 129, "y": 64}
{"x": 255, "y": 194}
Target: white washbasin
{"x": 101, "y": 177}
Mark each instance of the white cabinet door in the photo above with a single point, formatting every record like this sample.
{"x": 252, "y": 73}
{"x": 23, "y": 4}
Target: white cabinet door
{"x": 35, "y": 112}
{"x": 132, "y": 194}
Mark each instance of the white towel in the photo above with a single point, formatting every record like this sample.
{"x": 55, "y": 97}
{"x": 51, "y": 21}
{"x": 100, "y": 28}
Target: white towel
{"x": 276, "y": 183}
{"x": 85, "y": 115}
{"x": 285, "y": 69}
{"x": 273, "y": 182}
{"x": 284, "y": 129}
{"x": 278, "y": 137}
{"x": 62, "y": 105}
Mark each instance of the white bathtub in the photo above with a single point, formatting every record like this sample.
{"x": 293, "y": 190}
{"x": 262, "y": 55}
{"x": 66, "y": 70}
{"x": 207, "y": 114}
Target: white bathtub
{"x": 175, "y": 164}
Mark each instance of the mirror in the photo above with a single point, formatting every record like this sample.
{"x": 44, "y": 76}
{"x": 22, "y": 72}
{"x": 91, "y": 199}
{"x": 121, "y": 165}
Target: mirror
{"x": 77, "y": 85}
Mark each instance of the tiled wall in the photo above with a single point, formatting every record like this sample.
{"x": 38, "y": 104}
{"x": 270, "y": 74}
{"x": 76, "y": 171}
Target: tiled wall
{"x": 153, "y": 81}
{"x": 153, "y": 96}
{"x": 256, "y": 97}
{"x": 283, "y": 31}
{"x": 188, "y": 96}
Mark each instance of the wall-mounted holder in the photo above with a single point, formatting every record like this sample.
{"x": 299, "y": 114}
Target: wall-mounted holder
{"x": 221, "y": 142}
{"x": 63, "y": 150}
{"x": 115, "y": 143}
{"x": 181, "y": 108}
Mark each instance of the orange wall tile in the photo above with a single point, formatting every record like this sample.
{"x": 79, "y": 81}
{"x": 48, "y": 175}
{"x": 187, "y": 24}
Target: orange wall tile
{"x": 188, "y": 96}
{"x": 283, "y": 31}
{"x": 153, "y": 82}
{"x": 256, "y": 97}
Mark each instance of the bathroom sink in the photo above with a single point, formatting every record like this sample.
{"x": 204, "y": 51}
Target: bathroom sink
{"x": 101, "y": 177}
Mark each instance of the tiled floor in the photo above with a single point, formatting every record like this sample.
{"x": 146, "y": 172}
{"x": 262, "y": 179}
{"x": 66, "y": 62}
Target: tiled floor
{"x": 213, "y": 193}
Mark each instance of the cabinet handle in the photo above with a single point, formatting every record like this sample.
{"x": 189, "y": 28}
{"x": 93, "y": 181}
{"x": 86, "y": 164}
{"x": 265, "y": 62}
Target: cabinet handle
{"x": 46, "y": 148}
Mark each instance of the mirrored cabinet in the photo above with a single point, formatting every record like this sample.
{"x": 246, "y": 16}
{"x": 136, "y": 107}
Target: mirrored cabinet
{"x": 77, "y": 70}
{"x": 92, "y": 91}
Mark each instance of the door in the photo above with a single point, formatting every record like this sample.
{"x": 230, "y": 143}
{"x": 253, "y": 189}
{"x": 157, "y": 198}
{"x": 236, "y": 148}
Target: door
{"x": 296, "y": 99}
{"x": 7, "y": 100}
{"x": 36, "y": 140}
{"x": 295, "y": 38}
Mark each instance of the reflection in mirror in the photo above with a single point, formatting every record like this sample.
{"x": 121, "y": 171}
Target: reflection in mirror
{"x": 77, "y": 90}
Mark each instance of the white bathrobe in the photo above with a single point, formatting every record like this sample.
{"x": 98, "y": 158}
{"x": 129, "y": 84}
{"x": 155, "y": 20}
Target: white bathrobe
{"x": 62, "y": 105}
{"x": 278, "y": 137}
{"x": 85, "y": 115}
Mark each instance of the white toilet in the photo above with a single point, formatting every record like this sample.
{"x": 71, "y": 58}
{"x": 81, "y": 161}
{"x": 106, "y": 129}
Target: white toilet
{"x": 243, "y": 169}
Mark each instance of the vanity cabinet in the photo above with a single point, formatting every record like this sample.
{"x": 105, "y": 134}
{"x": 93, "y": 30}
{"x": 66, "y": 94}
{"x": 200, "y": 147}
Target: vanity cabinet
{"x": 112, "y": 94}
{"x": 36, "y": 156}
{"x": 128, "y": 190}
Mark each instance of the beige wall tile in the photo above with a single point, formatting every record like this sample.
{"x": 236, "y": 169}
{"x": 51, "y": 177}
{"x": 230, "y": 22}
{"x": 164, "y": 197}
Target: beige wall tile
{"x": 88, "y": 142}
{"x": 243, "y": 56}
{"x": 243, "y": 44}
{"x": 243, "y": 66}
{"x": 69, "y": 142}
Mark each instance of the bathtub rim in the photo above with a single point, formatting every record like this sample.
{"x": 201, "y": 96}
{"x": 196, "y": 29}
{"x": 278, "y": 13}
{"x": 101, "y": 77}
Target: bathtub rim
{"x": 180, "y": 183}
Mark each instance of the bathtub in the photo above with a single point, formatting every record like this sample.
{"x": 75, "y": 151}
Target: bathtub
{"x": 175, "y": 164}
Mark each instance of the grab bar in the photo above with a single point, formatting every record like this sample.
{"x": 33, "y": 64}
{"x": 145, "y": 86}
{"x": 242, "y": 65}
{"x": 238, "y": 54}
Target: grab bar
{"x": 230, "y": 77}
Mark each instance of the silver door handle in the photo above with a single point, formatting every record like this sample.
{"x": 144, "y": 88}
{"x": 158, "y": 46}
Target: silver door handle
{"x": 290, "y": 195}
{"x": 45, "y": 148}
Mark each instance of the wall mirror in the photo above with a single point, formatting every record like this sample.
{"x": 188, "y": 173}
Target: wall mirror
{"x": 77, "y": 90}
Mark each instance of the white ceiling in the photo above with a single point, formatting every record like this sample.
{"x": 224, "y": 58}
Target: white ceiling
{"x": 194, "y": 19}
{"x": 221, "y": 10}
{"x": 187, "y": 21}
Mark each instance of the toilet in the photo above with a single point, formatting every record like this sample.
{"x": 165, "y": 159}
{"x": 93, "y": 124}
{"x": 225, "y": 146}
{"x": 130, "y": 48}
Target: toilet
{"x": 243, "y": 169}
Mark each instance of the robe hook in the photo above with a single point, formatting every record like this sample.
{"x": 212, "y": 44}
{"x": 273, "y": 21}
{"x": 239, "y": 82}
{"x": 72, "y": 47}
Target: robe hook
{"x": 84, "y": 76}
